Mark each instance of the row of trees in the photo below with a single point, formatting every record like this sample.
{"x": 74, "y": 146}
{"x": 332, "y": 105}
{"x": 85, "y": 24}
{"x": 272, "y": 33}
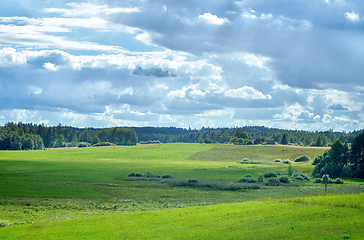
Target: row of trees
{"x": 18, "y": 140}
{"x": 225, "y": 135}
{"x": 342, "y": 160}
{"x": 37, "y": 136}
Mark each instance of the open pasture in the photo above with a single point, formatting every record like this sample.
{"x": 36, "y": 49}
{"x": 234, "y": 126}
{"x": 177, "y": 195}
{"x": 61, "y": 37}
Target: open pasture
{"x": 300, "y": 218}
{"x": 51, "y": 185}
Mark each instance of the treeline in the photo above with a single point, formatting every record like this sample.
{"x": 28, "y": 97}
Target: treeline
{"x": 13, "y": 138}
{"x": 227, "y": 135}
{"x": 23, "y": 136}
{"x": 30, "y": 136}
{"x": 342, "y": 160}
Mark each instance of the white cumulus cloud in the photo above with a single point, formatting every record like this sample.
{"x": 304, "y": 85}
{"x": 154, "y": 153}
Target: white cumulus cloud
{"x": 212, "y": 19}
{"x": 352, "y": 16}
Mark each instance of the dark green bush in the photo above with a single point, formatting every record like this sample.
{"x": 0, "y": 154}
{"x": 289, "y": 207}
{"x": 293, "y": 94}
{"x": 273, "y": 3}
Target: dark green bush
{"x": 272, "y": 182}
{"x": 167, "y": 176}
{"x": 302, "y": 159}
{"x": 260, "y": 178}
{"x": 193, "y": 180}
{"x": 305, "y": 177}
{"x": 300, "y": 176}
{"x": 135, "y": 174}
{"x": 247, "y": 179}
{"x": 149, "y": 175}
{"x": 286, "y": 162}
{"x": 284, "y": 179}
{"x": 318, "y": 180}
{"x": 270, "y": 175}
{"x": 338, "y": 181}
{"x": 317, "y": 160}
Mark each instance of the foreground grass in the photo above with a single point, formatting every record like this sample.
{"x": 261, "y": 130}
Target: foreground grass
{"x": 73, "y": 183}
{"x": 323, "y": 217}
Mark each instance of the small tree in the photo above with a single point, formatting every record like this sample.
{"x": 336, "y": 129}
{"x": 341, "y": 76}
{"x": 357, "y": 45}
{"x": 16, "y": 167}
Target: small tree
{"x": 290, "y": 170}
{"x": 325, "y": 180}
{"x": 284, "y": 140}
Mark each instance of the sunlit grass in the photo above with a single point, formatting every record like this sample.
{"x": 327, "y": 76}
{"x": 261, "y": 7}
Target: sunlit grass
{"x": 75, "y": 183}
{"x": 308, "y": 218}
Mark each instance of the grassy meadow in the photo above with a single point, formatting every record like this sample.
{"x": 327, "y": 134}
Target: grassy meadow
{"x": 87, "y": 194}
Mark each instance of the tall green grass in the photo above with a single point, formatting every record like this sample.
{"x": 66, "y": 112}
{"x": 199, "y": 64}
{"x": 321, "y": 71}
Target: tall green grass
{"x": 72, "y": 183}
{"x": 307, "y": 218}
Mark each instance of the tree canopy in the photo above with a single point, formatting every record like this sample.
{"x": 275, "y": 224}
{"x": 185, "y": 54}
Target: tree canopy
{"x": 342, "y": 161}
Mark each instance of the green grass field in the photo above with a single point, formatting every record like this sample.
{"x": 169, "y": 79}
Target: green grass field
{"x": 86, "y": 193}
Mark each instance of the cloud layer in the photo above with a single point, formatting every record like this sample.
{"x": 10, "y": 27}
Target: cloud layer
{"x": 167, "y": 63}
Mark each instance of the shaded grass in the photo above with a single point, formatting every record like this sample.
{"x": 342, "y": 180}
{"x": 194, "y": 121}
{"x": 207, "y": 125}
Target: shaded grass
{"x": 308, "y": 218}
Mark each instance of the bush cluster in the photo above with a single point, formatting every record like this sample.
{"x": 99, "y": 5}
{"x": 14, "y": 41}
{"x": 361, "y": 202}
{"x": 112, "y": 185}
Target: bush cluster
{"x": 302, "y": 159}
{"x": 270, "y": 175}
{"x": 147, "y": 175}
{"x": 167, "y": 176}
{"x": 103, "y": 144}
{"x": 273, "y": 181}
{"x": 331, "y": 181}
{"x": 284, "y": 179}
{"x": 247, "y": 179}
{"x": 84, "y": 144}
{"x": 300, "y": 176}
{"x": 195, "y": 183}
{"x": 193, "y": 180}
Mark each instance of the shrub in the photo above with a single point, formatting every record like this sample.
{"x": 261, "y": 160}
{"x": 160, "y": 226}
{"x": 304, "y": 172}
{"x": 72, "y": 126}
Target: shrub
{"x": 302, "y": 159}
{"x": 270, "y": 175}
{"x": 318, "y": 180}
{"x": 290, "y": 170}
{"x": 338, "y": 181}
{"x": 167, "y": 176}
{"x": 4, "y": 223}
{"x": 277, "y": 160}
{"x": 83, "y": 144}
{"x": 260, "y": 178}
{"x": 135, "y": 174}
{"x": 305, "y": 177}
{"x": 300, "y": 176}
{"x": 193, "y": 180}
{"x": 247, "y": 179}
{"x": 272, "y": 182}
{"x": 317, "y": 160}
{"x": 284, "y": 179}
{"x": 149, "y": 175}
{"x": 245, "y": 160}
{"x": 102, "y": 144}
{"x": 286, "y": 162}
{"x": 232, "y": 187}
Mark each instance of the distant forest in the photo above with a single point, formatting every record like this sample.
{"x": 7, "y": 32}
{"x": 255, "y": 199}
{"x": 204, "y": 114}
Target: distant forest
{"x": 24, "y": 136}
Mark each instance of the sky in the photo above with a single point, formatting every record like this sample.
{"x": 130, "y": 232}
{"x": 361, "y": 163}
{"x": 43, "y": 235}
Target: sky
{"x": 287, "y": 64}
